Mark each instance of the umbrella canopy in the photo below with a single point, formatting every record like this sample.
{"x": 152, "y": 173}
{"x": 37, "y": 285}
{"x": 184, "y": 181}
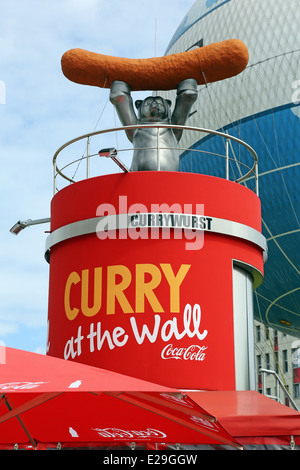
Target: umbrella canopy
{"x": 252, "y": 418}
{"x": 45, "y": 401}
{"x": 23, "y": 371}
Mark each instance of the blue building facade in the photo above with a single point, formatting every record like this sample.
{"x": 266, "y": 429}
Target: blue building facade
{"x": 262, "y": 107}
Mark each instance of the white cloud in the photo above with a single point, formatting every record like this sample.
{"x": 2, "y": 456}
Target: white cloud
{"x": 8, "y": 328}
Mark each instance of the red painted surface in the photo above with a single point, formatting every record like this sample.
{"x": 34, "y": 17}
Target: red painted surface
{"x": 185, "y": 347}
{"x": 296, "y": 375}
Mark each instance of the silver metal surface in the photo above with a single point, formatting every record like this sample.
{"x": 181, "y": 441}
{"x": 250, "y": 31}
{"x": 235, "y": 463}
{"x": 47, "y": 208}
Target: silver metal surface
{"x": 125, "y": 221}
{"x": 256, "y": 275}
{"x": 155, "y": 149}
{"x": 88, "y": 158}
{"x": 243, "y": 329}
{"x": 21, "y": 224}
{"x": 252, "y": 171}
{"x": 227, "y": 159}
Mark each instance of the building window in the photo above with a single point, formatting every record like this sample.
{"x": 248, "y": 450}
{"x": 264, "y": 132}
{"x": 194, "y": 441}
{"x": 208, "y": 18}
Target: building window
{"x": 296, "y": 375}
{"x": 276, "y": 340}
{"x": 258, "y": 333}
{"x": 297, "y": 390}
{"x": 258, "y": 363}
{"x": 268, "y": 364}
{"x": 259, "y": 375}
{"x": 285, "y": 361}
{"x": 296, "y": 357}
{"x": 287, "y": 401}
{"x": 276, "y": 362}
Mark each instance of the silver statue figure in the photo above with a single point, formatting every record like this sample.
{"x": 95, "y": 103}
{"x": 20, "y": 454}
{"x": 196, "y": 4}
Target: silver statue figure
{"x": 154, "y": 148}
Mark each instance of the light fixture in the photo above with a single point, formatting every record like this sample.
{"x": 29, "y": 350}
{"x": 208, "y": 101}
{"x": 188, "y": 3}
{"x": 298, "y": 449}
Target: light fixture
{"x": 112, "y": 153}
{"x": 21, "y": 224}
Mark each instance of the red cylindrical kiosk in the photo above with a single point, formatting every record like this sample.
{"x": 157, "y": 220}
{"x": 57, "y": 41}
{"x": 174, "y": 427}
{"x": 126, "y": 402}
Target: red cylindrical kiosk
{"x": 142, "y": 275}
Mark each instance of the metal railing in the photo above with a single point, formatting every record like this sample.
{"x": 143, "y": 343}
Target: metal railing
{"x": 278, "y": 385}
{"x": 250, "y": 170}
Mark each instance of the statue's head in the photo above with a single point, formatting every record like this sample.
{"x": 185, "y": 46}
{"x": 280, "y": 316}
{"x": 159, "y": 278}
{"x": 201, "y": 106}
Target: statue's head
{"x": 153, "y": 109}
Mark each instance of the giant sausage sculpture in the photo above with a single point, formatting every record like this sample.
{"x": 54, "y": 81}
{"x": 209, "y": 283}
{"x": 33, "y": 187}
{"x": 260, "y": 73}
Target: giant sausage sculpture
{"x": 211, "y": 63}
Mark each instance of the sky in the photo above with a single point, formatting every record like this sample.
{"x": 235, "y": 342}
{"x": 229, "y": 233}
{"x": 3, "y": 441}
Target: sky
{"x": 40, "y": 110}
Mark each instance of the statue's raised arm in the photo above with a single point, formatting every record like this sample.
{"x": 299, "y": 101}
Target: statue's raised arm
{"x": 121, "y": 98}
{"x": 186, "y": 97}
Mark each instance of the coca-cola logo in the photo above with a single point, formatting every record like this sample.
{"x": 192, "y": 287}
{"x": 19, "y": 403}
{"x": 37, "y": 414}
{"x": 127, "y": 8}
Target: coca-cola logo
{"x": 191, "y": 353}
{"x": 117, "y": 433}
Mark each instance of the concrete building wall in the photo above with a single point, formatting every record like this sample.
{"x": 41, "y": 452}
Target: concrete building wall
{"x": 278, "y": 352}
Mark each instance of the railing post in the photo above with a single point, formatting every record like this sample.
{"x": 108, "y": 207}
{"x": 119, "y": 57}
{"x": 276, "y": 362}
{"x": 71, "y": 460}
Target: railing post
{"x": 277, "y": 390}
{"x": 263, "y": 382}
{"x": 256, "y": 179}
{"x": 158, "y": 156}
{"x": 54, "y": 178}
{"x": 227, "y": 159}
{"x": 88, "y": 158}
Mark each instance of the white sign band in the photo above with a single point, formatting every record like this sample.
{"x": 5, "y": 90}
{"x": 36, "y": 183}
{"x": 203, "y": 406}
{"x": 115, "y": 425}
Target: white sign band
{"x": 157, "y": 220}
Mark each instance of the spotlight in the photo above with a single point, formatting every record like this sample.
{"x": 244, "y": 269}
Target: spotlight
{"x": 109, "y": 152}
{"x": 112, "y": 153}
{"x": 21, "y": 224}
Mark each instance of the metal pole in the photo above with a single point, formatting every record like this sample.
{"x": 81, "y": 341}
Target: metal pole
{"x": 33, "y": 442}
{"x": 277, "y": 392}
{"x": 227, "y": 159}
{"x": 120, "y": 164}
{"x": 256, "y": 179}
{"x": 54, "y": 178}
{"x": 280, "y": 384}
{"x": 263, "y": 382}
{"x": 158, "y": 159}
{"x": 88, "y": 158}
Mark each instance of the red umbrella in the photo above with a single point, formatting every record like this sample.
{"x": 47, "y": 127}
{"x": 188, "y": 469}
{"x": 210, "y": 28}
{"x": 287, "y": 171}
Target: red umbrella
{"x": 251, "y": 417}
{"x": 46, "y": 401}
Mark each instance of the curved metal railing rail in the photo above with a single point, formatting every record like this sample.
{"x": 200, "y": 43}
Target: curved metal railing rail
{"x": 250, "y": 171}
